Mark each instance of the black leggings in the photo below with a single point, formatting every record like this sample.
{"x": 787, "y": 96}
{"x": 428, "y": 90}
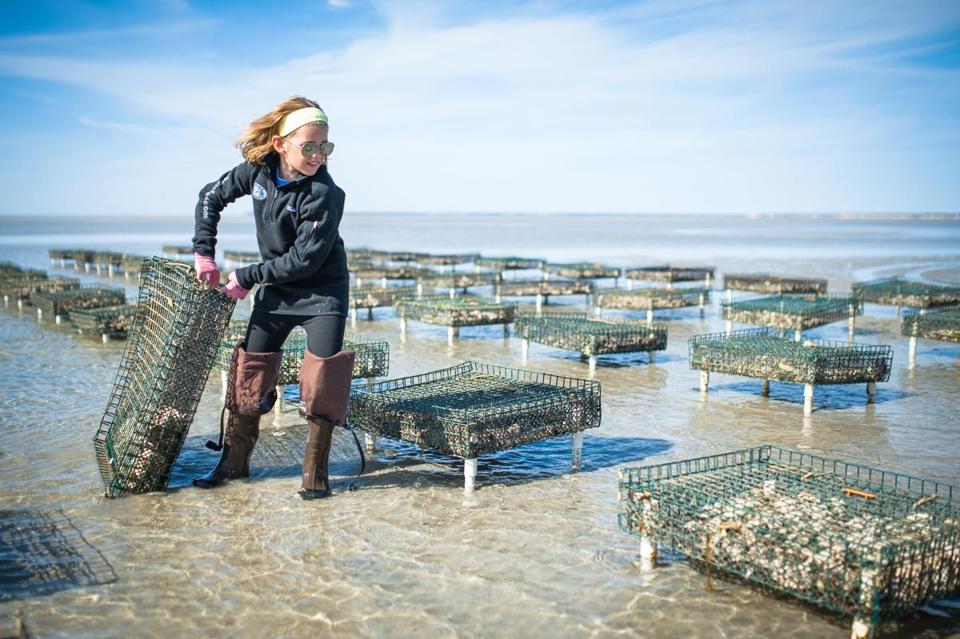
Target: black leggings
{"x": 267, "y": 332}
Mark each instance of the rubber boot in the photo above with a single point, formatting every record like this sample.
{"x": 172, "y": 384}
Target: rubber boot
{"x": 316, "y": 456}
{"x": 240, "y": 437}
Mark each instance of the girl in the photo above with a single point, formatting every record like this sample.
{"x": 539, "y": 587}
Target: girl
{"x": 303, "y": 281}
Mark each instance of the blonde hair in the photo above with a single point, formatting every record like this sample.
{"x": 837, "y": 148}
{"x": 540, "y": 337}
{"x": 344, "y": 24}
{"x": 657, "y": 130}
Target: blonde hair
{"x": 257, "y": 141}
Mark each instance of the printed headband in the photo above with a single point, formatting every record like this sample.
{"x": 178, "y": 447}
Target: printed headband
{"x": 298, "y": 118}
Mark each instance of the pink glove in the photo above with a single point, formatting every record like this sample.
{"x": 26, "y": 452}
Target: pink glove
{"x": 233, "y": 289}
{"x": 207, "y": 271}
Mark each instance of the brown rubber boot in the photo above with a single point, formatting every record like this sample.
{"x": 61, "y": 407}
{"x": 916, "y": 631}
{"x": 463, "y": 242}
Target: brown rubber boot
{"x": 316, "y": 456}
{"x": 240, "y": 437}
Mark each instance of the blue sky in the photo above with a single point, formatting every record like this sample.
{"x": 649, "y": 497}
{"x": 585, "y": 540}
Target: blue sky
{"x": 660, "y": 106}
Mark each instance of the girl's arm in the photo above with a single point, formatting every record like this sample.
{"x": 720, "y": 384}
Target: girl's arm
{"x": 316, "y": 235}
{"x": 214, "y": 197}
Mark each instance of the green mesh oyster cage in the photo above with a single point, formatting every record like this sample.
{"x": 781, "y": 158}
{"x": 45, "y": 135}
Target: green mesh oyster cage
{"x": 242, "y": 257}
{"x": 370, "y": 297}
{"x": 459, "y": 280}
{"x": 109, "y": 320}
{"x": 175, "y": 251}
{"x": 577, "y": 332}
{"x": 582, "y": 270}
{"x": 544, "y": 288}
{"x": 131, "y": 264}
{"x": 897, "y": 291}
{"x": 669, "y": 273}
{"x": 235, "y": 331}
{"x": 390, "y": 273}
{"x": 107, "y": 258}
{"x": 64, "y": 255}
{"x": 363, "y": 254}
{"x": 942, "y": 324}
{"x": 446, "y": 259}
{"x": 83, "y": 258}
{"x": 472, "y": 408}
{"x": 767, "y": 283}
{"x": 10, "y": 270}
{"x": 645, "y": 299}
{"x": 509, "y": 263}
{"x": 61, "y": 303}
{"x": 793, "y": 312}
{"x": 763, "y": 354}
{"x": 462, "y": 311}
{"x": 852, "y": 539}
{"x": 21, "y": 288}
{"x": 172, "y": 341}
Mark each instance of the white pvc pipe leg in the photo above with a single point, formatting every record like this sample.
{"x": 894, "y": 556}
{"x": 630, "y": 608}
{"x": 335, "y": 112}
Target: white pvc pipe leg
{"x": 593, "y": 365}
{"x": 453, "y": 293}
{"x": 703, "y": 310}
{"x": 861, "y": 629}
{"x": 807, "y": 399}
{"x": 353, "y": 317}
{"x": 524, "y": 350}
{"x": 912, "y": 359}
{"x": 729, "y": 327}
{"x": 576, "y": 442}
{"x": 649, "y": 316}
{"x": 453, "y": 332}
{"x": 370, "y": 443}
{"x": 704, "y": 381}
{"x": 871, "y": 392}
{"x": 469, "y": 475}
{"x": 383, "y": 282}
{"x": 853, "y": 320}
{"x": 39, "y": 313}
{"x": 403, "y": 329}
{"x": 539, "y": 304}
{"x": 279, "y": 398}
{"x": 58, "y": 319}
{"x": 798, "y": 335}
{"x": 629, "y": 285}
{"x": 419, "y": 290}
{"x": 729, "y": 295}
{"x": 20, "y": 304}
{"x": 105, "y": 337}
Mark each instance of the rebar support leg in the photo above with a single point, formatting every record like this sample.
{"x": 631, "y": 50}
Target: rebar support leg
{"x": 703, "y": 310}
{"x": 524, "y": 350}
{"x": 576, "y": 444}
{"x": 912, "y": 359}
{"x": 862, "y": 629}
{"x": 370, "y": 314}
{"x": 807, "y": 399}
{"x": 765, "y": 388}
{"x": 704, "y": 381}
{"x": 469, "y": 475}
{"x": 871, "y": 392}
{"x": 653, "y": 356}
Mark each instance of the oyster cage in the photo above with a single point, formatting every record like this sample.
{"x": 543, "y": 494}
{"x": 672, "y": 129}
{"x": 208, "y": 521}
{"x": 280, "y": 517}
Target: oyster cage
{"x": 545, "y": 288}
{"x": 793, "y": 312}
{"x": 582, "y": 270}
{"x": 472, "y": 408}
{"x": 446, "y": 259}
{"x": 390, "y": 273}
{"x": 377, "y": 296}
{"x": 21, "y": 288}
{"x": 459, "y": 280}
{"x": 852, "y": 539}
{"x": 766, "y": 283}
{"x": 462, "y": 311}
{"x": 763, "y": 354}
{"x": 897, "y": 291}
{"x": 509, "y": 263}
{"x": 109, "y": 320}
{"x": 646, "y": 299}
{"x": 172, "y": 341}
{"x": 941, "y": 324}
{"x": 576, "y": 332}
{"x": 668, "y": 273}
{"x": 61, "y": 303}
{"x": 241, "y": 257}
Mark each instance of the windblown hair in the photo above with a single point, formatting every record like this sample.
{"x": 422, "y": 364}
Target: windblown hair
{"x": 256, "y": 142}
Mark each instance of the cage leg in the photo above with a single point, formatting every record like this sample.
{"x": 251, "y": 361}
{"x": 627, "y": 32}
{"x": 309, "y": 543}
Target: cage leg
{"x": 703, "y": 310}
{"x": 453, "y": 332}
{"x": 359, "y": 282}
{"x": 497, "y": 297}
{"x": 598, "y": 311}
{"x": 729, "y": 327}
{"x": 593, "y": 365}
{"x": 353, "y": 317}
{"x": 708, "y": 282}
{"x": 58, "y": 319}
{"x": 539, "y": 304}
{"x": 652, "y": 355}
{"x": 39, "y": 313}
{"x": 871, "y": 392}
{"x": 797, "y": 335}
{"x": 105, "y": 337}
{"x": 419, "y": 290}
{"x": 110, "y": 270}
{"x": 629, "y": 285}
{"x": 729, "y": 295}
{"x": 649, "y": 316}
{"x": 913, "y": 352}
{"x": 807, "y": 399}
{"x": 852, "y": 322}
{"x": 524, "y": 350}
{"x": 469, "y": 475}
{"x": 648, "y": 545}
{"x": 862, "y": 629}
{"x": 506, "y": 331}
{"x": 6, "y": 300}
{"x": 20, "y": 304}
{"x": 370, "y": 443}
{"x": 704, "y": 381}
{"x": 765, "y": 387}
{"x": 403, "y": 329}
{"x": 453, "y": 293}
{"x": 383, "y": 282}
{"x": 279, "y": 399}
{"x": 576, "y": 442}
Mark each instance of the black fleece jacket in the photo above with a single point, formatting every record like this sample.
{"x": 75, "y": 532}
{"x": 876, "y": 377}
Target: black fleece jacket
{"x": 304, "y": 267}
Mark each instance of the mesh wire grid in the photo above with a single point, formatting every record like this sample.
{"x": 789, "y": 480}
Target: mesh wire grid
{"x": 377, "y": 296}
{"x": 172, "y": 341}
{"x": 462, "y": 311}
{"x": 941, "y": 324}
{"x": 23, "y": 287}
{"x": 793, "y": 312}
{"x": 460, "y": 280}
{"x": 850, "y": 538}
{"x": 668, "y": 273}
{"x": 582, "y": 270}
{"x": 113, "y": 320}
{"x": 10, "y": 270}
{"x": 521, "y": 288}
{"x": 472, "y": 408}
{"x": 897, "y": 291}
{"x": 170, "y": 249}
{"x": 577, "y": 332}
{"x": 770, "y": 284}
{"x": 448, "y": 259}
{"x": 391, "y": 273}
{"x": 643, "y": 299}
{"x": 108, "y": 258}
{"x": 65, "y": 301}
{"x": 245, "y": 257}
{"x": 763, "y": 354}
{"x": 509, "y": 263}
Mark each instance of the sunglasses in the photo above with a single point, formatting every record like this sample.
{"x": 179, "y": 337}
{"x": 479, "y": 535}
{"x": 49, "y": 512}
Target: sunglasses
{"x": 308, "y": 149}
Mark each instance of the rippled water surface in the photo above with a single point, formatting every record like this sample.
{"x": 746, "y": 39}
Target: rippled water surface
{"x": 537, "y": 551}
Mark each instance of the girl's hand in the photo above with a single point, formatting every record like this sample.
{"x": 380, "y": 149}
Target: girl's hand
{"x": 207, "y": 270}
{"x": 233, "y": 289}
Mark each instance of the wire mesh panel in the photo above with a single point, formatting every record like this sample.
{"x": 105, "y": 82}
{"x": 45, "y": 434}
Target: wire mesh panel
{"x": 168, "y": 356}
{"x": 793, "y": 312}
{"x": 459, "y": 280}
{"x": 582, "y": 270}
{"x": 668, "y": 273}
{"x": 10, "y": 270}
{"x": 363, "y": 254}
{"x": 109, "y": 320}
{"x": 519, "y": 288}
{"x": 377, "y": 296}
{"x": 941, "y": 324}
{"x": 174, "y": 251}
{"x": 761, "y": 353}
{"x": 108, "y": 258}
{"x": 391, "y": 273}
{"x": 448, "y": 259}
{"x": 242, "y": 257}
{"x": 64, "y": 302}
{"x": 462, "y": 311}
{"x": 509, "y": 263}
{"x": 644, "y": 299}
{"x": 766, "y": 283}
{"x": 472, "y": 408}
{"x": 131, "y": 263}
{"x": 852, "y": 539}
{"x": 372, "y": 359}
{"x": 21, "y": 288}
{"x": 897, "y": 291}
{"x": 576, "y": 332}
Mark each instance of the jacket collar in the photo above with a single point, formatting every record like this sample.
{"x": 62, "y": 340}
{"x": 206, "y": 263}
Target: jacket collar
{"x": 272, "y": 162}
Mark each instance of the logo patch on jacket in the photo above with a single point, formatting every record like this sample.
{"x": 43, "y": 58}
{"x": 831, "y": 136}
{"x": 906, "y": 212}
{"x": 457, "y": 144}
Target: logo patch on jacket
{"x": 259, "y": 193}
{"x": 291, "y": 208}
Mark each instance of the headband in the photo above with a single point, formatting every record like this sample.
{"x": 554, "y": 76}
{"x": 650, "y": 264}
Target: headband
{"x": 296, "y": 119}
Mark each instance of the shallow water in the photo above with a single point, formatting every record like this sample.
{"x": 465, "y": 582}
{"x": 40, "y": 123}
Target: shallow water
{"x": 537, "y": 551}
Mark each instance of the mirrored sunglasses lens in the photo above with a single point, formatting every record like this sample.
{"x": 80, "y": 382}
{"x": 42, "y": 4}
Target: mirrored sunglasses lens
{"x": 326, "y": 148}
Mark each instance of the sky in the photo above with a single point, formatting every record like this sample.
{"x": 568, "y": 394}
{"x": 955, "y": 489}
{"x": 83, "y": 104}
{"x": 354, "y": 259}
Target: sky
{"x": 744, "y": 106}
